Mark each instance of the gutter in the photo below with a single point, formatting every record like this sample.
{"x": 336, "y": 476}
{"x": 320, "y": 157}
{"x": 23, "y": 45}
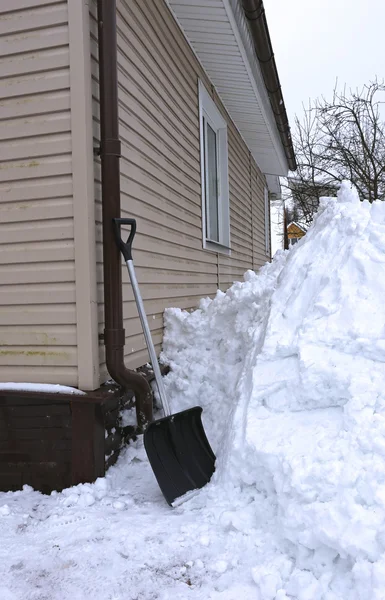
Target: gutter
{"x": 256, "y": 18}
{"x": 114, "y": 334}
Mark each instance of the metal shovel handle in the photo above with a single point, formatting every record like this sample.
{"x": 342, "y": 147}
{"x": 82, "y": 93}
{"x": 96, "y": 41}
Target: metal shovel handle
{"x": 126, "y": 250}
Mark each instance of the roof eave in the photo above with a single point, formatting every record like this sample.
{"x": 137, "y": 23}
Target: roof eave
{"x": 221, "y": 39}
{"x": 256, "y": 18}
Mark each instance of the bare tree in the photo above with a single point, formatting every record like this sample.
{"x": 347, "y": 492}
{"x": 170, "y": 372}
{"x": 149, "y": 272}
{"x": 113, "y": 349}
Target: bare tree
{"x": 337, "y": 140}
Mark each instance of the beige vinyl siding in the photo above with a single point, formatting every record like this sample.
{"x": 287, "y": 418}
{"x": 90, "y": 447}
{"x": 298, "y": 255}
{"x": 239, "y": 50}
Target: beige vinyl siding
{"x": 37, "y": 270}
{"x": 160, "y": 174}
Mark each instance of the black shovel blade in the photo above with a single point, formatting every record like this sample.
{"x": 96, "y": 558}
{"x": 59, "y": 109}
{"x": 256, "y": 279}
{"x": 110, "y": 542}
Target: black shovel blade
{"x": 179, "y": 453}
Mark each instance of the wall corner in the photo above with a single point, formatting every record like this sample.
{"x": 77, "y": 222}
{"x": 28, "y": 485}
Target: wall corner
{"x": 83, "y": 195}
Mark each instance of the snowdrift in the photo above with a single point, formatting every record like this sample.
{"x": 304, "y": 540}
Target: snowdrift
{"x": 289, "y": 366}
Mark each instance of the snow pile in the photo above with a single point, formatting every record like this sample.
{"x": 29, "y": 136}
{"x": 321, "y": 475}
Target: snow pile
{"x": 207, "y": 348}
{"x": 290, "y": 369}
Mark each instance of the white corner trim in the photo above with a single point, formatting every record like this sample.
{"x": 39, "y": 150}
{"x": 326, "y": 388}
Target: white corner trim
{"x": 267, "y": 221}
{"x": 83, "y": 195}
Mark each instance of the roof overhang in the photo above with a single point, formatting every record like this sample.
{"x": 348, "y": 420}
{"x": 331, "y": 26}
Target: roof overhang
{"x": 274, "y": 186}
{"x": 218, "y": 32}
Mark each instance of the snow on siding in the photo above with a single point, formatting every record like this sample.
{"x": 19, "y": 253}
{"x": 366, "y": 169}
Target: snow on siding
{"x": 37, "y": 271}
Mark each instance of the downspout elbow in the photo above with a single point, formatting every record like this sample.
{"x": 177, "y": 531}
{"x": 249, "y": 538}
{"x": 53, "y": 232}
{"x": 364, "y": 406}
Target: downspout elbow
{"x": 132, "y": 380}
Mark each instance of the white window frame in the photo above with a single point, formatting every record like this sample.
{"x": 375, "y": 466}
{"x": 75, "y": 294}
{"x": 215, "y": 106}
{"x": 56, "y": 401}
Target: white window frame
{"x": 208, "y": 111}
{"x": 267, "y": 222}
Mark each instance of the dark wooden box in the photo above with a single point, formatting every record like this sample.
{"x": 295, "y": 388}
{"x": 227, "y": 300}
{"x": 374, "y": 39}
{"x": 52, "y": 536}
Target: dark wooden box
{"x": 53, "y": 441}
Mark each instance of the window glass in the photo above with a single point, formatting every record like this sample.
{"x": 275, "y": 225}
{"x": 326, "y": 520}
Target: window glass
{"x": 212, "y": 185}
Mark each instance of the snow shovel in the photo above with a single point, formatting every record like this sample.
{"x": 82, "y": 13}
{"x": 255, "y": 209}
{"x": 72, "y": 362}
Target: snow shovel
{"x": 176, "y": 445}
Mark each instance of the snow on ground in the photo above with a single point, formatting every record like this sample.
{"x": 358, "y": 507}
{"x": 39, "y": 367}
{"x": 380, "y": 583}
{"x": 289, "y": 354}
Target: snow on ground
{"x": 118, "y": 539}
{"x": 289, "y": 366}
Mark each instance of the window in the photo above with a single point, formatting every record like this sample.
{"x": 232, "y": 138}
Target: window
{"x": 267, "y": 222}
{"x": 293, "y": 241}
{"x": 214, "y": 173}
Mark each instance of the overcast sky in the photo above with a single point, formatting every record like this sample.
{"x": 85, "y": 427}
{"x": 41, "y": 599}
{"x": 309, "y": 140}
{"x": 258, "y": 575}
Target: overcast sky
{"x": 315, "y": 41}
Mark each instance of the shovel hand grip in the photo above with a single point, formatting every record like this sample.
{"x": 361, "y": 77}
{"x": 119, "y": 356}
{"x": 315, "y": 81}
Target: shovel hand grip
{"x": 124, "y": 247}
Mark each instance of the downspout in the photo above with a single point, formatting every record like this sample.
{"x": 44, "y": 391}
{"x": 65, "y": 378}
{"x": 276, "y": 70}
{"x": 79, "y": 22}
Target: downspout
{"x": 114, "y": 334}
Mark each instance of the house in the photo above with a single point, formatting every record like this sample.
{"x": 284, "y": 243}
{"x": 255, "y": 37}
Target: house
{"x": 169, "y": 111}
{"x": 295, "y": 232}
{"x": 306, "y": 194}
